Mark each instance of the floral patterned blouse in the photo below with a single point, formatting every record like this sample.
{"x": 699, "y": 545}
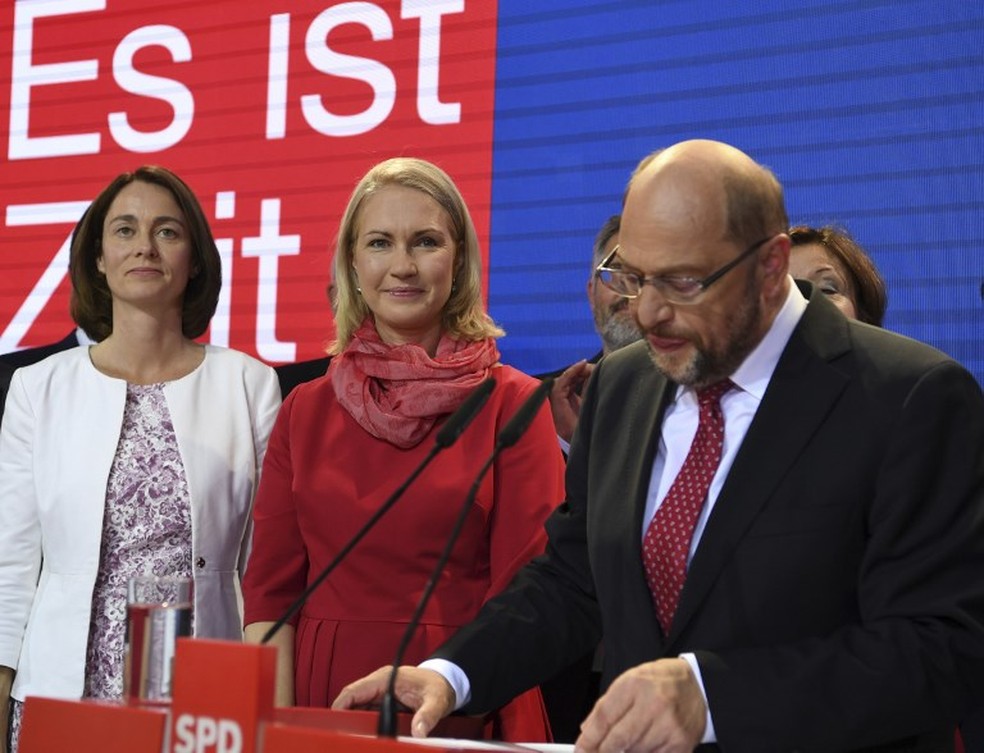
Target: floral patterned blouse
{"x": 146, "y": 529}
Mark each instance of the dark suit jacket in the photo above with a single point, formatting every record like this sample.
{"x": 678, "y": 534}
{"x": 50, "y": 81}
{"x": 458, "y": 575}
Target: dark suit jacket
{"x": 292, "y": 374}
{"x": 836, "y": 599}
{"x": 11, "y": 361}
{"x": 5, "y": 373}
{"x": 33, "y": 355}
{"x": 570, "y": 694}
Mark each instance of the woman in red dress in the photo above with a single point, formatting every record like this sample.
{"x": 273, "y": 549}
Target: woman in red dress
{"x": 412, "y": 341}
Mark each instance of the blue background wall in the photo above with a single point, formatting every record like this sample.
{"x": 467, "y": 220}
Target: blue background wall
{"x": 870, "y": 113}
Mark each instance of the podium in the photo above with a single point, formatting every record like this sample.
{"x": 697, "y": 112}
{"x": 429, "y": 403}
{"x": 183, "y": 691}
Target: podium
{"x": 54, "y": 725}
{"x": 222, "y": 703}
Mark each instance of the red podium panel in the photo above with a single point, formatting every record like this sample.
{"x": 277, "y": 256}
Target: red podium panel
{"x": 222, "y": 703}
{"x": 90, "y": 727}
{"x": 222, "y": 691}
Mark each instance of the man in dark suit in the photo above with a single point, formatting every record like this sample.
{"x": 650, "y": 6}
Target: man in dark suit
{"x": 833, "y": 598}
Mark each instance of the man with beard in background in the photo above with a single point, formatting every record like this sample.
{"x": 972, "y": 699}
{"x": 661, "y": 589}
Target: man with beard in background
{"x": 614, "y": 325}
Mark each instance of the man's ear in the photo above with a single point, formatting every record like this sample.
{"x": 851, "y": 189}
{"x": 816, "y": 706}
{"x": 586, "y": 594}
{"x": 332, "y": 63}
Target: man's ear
{"x": 775, "y": 262}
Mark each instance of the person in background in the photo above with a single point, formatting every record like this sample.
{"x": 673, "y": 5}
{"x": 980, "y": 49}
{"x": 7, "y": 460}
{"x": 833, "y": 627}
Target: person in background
{"x": 840, "y": 269}
{"x": 614, "y": 325}
{"x": 137, "y": 455}
{"x": 26, "y": 357}
{"x": 413, "y": 340}
{"x": 289, "y": 375}
{"x": 6, "y": 372}
{"x": 570, "y": 694}
{"x": 613, "y": 319}
{"x": 292, "y": 374}
{"x": 774, "y": 514}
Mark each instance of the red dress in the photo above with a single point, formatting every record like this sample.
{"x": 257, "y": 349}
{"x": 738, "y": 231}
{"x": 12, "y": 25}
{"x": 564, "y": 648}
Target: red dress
{"x": 324, "y": 476}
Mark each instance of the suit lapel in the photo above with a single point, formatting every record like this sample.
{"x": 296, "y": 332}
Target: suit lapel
{"x": 800, "y": 394}
{"x": 649, "y": 407}
{"x": 627, "y": 419}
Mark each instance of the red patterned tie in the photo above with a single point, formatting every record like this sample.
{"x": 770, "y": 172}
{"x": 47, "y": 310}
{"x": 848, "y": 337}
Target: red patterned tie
{"x": 667, "y": 540}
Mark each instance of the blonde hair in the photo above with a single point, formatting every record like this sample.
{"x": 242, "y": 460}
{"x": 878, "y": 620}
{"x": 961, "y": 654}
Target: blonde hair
{"x": 463, "y": 316}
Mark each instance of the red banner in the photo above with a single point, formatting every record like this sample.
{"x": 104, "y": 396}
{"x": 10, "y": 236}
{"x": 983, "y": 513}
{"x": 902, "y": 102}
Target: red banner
{"x": 271, "y": 111}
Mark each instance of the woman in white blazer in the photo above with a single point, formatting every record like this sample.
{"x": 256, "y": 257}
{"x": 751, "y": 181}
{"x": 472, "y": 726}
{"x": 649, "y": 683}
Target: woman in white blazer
{"x": 140, "y": 454}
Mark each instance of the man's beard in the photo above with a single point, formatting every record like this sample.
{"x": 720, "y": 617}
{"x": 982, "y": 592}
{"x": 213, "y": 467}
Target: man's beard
{"x": 616, "y": 327}
{"x": 706, "y": 367}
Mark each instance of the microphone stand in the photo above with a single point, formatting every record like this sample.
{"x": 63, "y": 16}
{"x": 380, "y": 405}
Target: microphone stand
{"x": 509, "y": 435}
{"x": 387, "y": 709}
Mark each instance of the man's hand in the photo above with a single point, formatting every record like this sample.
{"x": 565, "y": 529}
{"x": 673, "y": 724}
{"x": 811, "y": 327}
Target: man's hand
{"x": 565, "y": 398}
{"x": 653, "y": 707}
{"x": 423, "y": 690}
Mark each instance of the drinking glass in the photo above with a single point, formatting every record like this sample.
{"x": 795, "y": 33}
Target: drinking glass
{"x": 158, "y": 613}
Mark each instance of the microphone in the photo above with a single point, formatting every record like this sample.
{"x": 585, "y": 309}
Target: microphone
{"x": 446, "y": 437}
{"x": 509, "y": 435}
{"x": 461, "y": 418}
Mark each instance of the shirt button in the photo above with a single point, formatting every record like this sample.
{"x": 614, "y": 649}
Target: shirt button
{"x": 200, "y": 562}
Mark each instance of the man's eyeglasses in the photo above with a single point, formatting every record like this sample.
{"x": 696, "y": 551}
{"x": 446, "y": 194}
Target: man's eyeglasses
{"x": 674, "y": 288}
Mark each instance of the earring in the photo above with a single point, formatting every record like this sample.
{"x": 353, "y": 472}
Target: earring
{"x": 454, "y": 286}
{"x": 358, "y": 290}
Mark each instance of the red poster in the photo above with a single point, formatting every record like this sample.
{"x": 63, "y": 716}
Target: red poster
{"x": 271, "y": 111}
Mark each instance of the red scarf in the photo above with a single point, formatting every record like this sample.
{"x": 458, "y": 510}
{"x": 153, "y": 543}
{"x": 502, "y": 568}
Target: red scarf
{"x": 397, "y": 392}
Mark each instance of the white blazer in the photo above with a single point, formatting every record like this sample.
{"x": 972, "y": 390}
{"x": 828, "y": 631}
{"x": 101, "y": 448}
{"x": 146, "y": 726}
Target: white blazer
{"x": 59, "y": 435}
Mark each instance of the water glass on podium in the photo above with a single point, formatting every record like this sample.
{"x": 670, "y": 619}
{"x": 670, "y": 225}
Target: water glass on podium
{"x": 158, "y": 613}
